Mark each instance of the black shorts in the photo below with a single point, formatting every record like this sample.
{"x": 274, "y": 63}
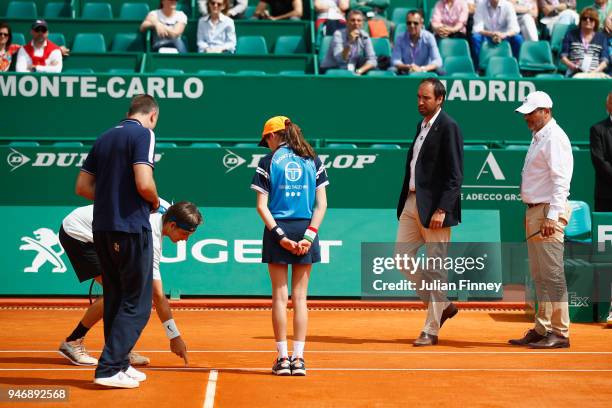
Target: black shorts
{"x": 272, "y": 252}
{"x": 82, "y": 256}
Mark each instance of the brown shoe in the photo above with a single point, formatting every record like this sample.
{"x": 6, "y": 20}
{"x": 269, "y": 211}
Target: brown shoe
{"x": 448, "y": 313}
{"x": 531, "y": 336}
{"x": 425, "y": 340}
{"x": 552, "y": 341}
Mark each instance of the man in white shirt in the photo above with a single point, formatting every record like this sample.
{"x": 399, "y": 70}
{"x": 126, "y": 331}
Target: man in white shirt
{"x": 40, "y": 54}
{"x": 545, "y": 185}
{"x": 178, "y": 222}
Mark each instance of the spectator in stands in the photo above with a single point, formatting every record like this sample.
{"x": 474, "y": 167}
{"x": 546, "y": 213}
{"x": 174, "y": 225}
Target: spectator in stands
{"x": 416, "y": 50}
{"x": 167, "y": 24}
{"x": 370, "y": 8}
{"x": 279, "y": 10}
{"x": 236, "y": 8}
{"x": 604, "y": 8}
{"x": 601, "y": 156}
{"x": 351, "y": 47}
{"x": 495, "y": 21}
{"x": 331, "y": 13}
{"x": 216, "y": 31}
{"x": 7, "y": 49}
{"x": 450, "y": 18}
{"x": 585, "y": 50}
{"x": 557, "y": 11}
{"x": 527, "y": 14}
{"x": 40, "y": 54}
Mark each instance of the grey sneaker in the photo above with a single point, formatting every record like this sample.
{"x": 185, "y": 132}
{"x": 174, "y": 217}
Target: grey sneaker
{"x": 137, "y": 359}
{"x": 77, "y": 354}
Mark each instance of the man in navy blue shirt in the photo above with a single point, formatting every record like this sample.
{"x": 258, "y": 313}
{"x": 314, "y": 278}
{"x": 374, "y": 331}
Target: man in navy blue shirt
{"x": 118, "y": 176}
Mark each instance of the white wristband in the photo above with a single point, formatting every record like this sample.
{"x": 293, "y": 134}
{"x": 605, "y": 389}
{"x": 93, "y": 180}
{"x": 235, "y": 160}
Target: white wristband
{"x": 171, "y": 330}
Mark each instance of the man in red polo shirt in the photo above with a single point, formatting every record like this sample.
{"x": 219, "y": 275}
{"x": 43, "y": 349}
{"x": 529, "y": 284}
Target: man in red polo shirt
{"x": 40, "y": 54}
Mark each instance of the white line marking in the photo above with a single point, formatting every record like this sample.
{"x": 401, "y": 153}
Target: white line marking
{"x": 211, "y": 387}
{"x": 470, "y": 186}
{"x": 537, "y": 370}
{"x": 347, "y": 352}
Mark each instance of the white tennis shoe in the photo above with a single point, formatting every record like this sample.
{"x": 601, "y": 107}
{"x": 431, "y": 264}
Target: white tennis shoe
{"x": 77, "y": 354}
{"x": 135, "y": 374}
{"x": 119, "y": 380}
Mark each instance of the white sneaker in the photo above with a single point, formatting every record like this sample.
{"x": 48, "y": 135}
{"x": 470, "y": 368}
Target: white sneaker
{"x": 135, "y": 374}
{"x": 119, "y": 380}
{"x": 138, "y": 360}
{"x": 77, "y": 354}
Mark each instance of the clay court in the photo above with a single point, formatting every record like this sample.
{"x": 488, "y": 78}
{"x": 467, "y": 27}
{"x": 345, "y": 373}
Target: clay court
{"x": 356, "y": 357}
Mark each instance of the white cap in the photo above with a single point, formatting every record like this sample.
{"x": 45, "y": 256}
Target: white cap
{"x": 535, "y": 100}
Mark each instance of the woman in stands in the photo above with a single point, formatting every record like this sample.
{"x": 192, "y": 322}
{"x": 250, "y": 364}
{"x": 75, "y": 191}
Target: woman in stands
{"x": 7, "y": 50}
{"x": 332, "y": 13}
{"x": 291, "y": 200}
{"x": 167, "y": 24}
{"x": 585, "y": 50}
{"x": 216, "y": 31}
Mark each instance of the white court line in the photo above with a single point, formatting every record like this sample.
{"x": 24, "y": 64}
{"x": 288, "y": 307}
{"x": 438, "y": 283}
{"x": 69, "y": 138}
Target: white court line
{"x": 347, "y": 352}
{"x": 406, "y": 369}
{"x": 209, "y": 400}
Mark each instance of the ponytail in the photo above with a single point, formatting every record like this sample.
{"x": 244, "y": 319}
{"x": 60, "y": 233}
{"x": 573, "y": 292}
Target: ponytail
{"x": 295, "y": 139}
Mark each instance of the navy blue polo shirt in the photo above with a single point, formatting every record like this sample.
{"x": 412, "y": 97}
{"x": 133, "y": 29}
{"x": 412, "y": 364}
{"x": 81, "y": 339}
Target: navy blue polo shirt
{"x": 117, "y": 205}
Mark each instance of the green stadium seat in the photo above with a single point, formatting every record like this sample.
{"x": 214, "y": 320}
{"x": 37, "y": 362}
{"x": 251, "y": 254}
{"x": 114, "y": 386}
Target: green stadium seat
{"x": 251, "y": 44}
{"x": 517, "y": 147}
{"x": 68, "y": 144}
{"x": 134, "y": 11}
{"x": 325, "y": 44}
{"x": 382, "y": 46}
{"x": 459, "y": 66}
{"x": 249, "y": 12}
{"x": 550, "y": 76}
{"x": 169, "y": 71}
{"x": 341, "y": 145}
{"x": 22, "y": 9}
{"x": 127, "y": 42}
{"x": 503, "y": 67}
{"x": 387, "y": 146}
{"x": 292, "y": 73}
{"x": 121, "y": 71}
{"x": 165, "y": 145}
{"x": 398, "y": 15}
{"x": 340, "y": 73}
{"x": 206, "y": 145}
{"x": 426, "y": 75}
{"x": 578, "y": 228}
{"x": 489, "y": 50}
{"x": 453, "y": 47}
{"x": 23, "y": 144}
{"x": 557, "y": 36}
{"x": 379, "y": 73}
{"x": 19, "y": 39}
{"x": 247, "y": 72}
{"x": 399, "y": 30}
{"x": 475, "y": 147}
{"x": 211, "y": 72}
{"x": 536, "y": 56}
{"x": 249, "y": 145}
{"x": 89, "y": 42}
{"x": 97, "y": 11}
{"x": 78, "y": 71}
{"x": 58, "y": 10}
{"x": 289, "y": 44}
{"x": 57, "y": 38}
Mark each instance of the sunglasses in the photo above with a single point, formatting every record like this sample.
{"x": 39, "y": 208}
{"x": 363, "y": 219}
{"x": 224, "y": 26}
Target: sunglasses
{"x": 412, "y": 23}
{"x": 4, "y": 34}
{"x": 40, "y": 30}
{"x": 212, "y": 3}
{"x": 591, "y": 19}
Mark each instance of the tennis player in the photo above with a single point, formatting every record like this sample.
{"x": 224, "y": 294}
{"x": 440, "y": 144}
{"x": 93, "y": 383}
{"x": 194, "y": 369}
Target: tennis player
{"x": 178, "y": 222}
{"x": 291, "y": 200}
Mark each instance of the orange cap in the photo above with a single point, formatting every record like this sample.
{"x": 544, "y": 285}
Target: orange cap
{"x": 273, "y": 124}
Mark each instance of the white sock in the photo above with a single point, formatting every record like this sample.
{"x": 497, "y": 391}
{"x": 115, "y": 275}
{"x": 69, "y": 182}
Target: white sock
{"x": 298, "y": 349}
{"x": 281, "y": 347}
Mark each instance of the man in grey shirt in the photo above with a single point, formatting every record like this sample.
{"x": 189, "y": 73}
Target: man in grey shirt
{"x": 351, "y": 48}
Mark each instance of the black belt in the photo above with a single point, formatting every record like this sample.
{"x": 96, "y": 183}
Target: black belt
{"x": 535, "y": 205}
